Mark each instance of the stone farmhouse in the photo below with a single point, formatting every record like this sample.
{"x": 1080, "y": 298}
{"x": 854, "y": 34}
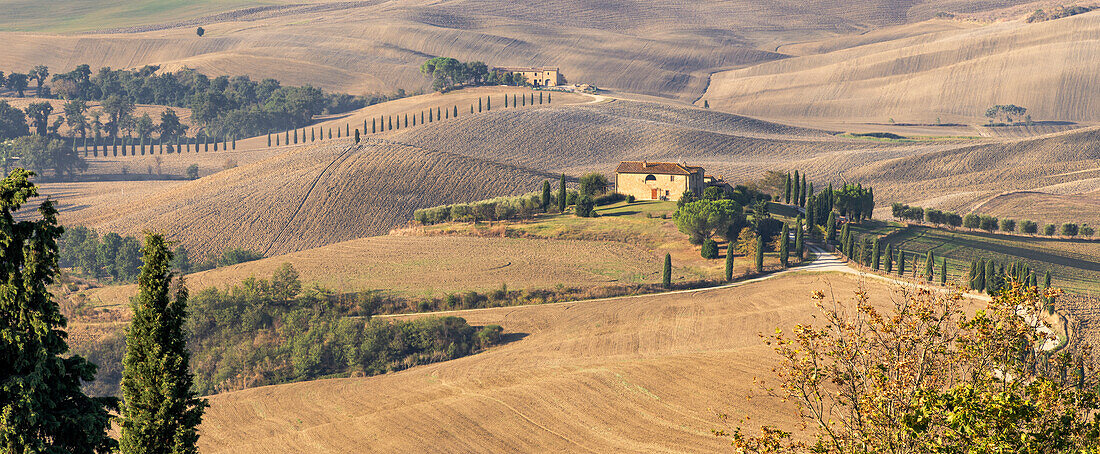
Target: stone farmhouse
{"x": 538, "y": 77}
{"x": 659, "y": 180}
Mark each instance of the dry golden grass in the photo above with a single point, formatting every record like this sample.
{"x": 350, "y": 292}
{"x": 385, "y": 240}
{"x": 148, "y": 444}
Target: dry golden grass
{"x": 953, "y": 74}
{"x": 435, "y": 265}
{"x": 643, "y": 374}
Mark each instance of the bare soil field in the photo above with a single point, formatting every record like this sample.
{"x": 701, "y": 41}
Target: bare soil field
{"x": 1049, "y": 208}
{"x": 435, "y": 265}
{"x": 642, "y": 374}
{"x": 644, "y": 46}
{"x": 953, "y": 73}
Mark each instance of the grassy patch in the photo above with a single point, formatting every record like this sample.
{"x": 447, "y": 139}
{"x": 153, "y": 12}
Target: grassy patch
{"x": 64, "y": 16}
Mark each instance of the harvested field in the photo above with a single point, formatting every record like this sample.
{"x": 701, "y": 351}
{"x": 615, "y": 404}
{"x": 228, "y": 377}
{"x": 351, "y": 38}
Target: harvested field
{"x": 644, "y": 374}
{"x": 952, "y": 74}
{"x": 1045, "y": 208}
{"x": 308, "y": 196}
{"x": 435, "y": 265}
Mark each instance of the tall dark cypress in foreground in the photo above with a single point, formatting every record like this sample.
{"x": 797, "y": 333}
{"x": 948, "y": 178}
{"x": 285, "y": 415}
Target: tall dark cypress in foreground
{"x": 666, "y": 280}
{"x": 729, "y": 262}
{"x": 42, "y": 406}
{"x": 545, "y": 202}
{"x": 561, "y": 194}
{"x": 160, "y": 412}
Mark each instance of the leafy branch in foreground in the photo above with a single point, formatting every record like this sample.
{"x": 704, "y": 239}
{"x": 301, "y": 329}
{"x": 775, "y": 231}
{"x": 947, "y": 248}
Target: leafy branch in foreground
{"x": 922, "y": 376}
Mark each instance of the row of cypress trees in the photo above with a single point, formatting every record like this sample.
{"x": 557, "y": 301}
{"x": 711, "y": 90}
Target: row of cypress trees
{"x": 137, "y": 147}
{"x": 44, "y": 408}
{"x": 990, "y": 277}
{"x": 396, "y": 122}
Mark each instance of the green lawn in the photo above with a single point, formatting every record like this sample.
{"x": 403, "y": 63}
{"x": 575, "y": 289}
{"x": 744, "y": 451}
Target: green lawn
{"x": 1073, "y": 263}
{"x": 64, "y": 16}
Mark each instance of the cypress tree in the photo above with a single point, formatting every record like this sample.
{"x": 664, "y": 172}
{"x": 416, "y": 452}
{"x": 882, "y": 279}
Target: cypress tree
{"x": 759, "y": 253}
{"x": 206, "y": 144}
{"x": 876, "y": 253}
{"x": 365, "y": 124}
{"x": 269, "y": 140}
{"x": 802, "y": 193}
{"x": 666, "y": 280}
{"x": 478, "y": 105}
{"x": 901, "y": 262}
{"x": 561, "y": 194}
{"x": 784, "y": 252}
{"x": 347, "y": 126}
{"x": 437, "y": 109}
{"x": 929, "y": 267}
{"x": 234, "y": 142}
{"x": 286, "y": 140}
{"x": 548, "y": 98}
{"x": 472, "y": 106}
{"x": 532, "y": 99}
{"x": 809, "y": 193}
{"x": 277, "y": 140}
{"x": 44, "y": 409}
{"x": 421, "y": 117}
{"x": 829, "y": 198}
{"x": 430, "y": 115}
{"x": 373, "y": 126}
{"x": 414, "y": 120}
{"x": 729, "y": 261}
{"x": 456, "y": 111}
{"x": 545, "y": 202}
{"x": 970, "y": 277}
{"x": 787, "y": 191}
{"x": 980, "y": 277}
{"x": 799, "y": 241}
{"x": 540, "y": 98}
{"x": 505, "y": 101}
{"x": 514, "y": 103}
{"x": 889, "y": 258}
{"x": 216, "y": 144}
{"x": 356, "y": 136}
{"x": 990, "y": 277}
{"x": 160, "y": 412}
{"x": 830, "y": 228}
{"x": 794, "y": 188}
{"x": 488, "y": 103}
{"x": 523, "y": 101}
{"x": 313, "y": 134}
{"x": 943, "y": 271}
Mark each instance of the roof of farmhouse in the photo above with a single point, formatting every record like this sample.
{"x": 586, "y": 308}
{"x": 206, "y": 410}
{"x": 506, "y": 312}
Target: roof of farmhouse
{"x": 519, "y": 69}
{"x": 663, "y": 168}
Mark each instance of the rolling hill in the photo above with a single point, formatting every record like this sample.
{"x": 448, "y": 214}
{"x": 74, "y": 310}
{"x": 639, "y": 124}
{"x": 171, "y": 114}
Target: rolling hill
{"x": 642, "y": 46}
{"x": 644, "y": 374}
{"x": 953, "y": 74}
{"x": 306, "y": 197}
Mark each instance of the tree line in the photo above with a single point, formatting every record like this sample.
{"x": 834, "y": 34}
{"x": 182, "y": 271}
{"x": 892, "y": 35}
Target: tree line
{"x": 987, "y": 223}
{"x": 117, "y": 258}
{"x": 592, "y": 191}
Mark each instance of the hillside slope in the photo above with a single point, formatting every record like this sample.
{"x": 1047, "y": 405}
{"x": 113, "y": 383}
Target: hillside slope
{"x": 644, "y": 374}
{"x": 644, "y": 46}
{"x": 307, "y": 197}
{"x": 951, "y": 75}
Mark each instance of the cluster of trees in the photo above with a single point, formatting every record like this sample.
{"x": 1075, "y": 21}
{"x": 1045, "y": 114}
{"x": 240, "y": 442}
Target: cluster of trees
{"x": 874, "y": 253}
{"x": 1007, "y": 114}
{"x": 117, "y": 258}
{"x": 273, "y": 331}
{"x": 722, "y": 213}
{"x": 990, "y": 277}
{"x": 988, "y": 223}
{"x": 224, "y": 106}
{"x": 448, "y": 73}
{"x": 1059, "y": 12}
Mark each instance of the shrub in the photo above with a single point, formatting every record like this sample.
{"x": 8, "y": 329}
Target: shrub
{"x": 710, "y": 249}
{"x": 972, "y": 221}
{"x": 1008, "y": 225}
{"x": 1029, "y": 227}
{"x": 193, "y": 172}
{"x": 630, "y": 199}
{"x": 1087, "y": 231}
{"x": 586, "y": 207}
{"x": 1050, "y": 229}
{"x": 609, "y": 198}
{"x": 989, "y": 223}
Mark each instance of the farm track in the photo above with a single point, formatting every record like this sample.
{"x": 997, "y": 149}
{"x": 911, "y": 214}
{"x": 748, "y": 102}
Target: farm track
{"x": 339, "y": 158}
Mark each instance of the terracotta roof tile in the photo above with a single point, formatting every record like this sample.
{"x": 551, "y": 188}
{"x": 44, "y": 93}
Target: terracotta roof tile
{"x": 660, "y": 168}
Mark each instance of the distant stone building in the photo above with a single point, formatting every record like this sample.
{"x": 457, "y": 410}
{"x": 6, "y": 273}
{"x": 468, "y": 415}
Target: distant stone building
{"x": 538, "y": 77}
{"x": 658, "y": 180}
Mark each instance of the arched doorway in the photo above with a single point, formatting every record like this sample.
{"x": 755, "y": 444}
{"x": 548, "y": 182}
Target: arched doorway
{"x": 651, "y": 181}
